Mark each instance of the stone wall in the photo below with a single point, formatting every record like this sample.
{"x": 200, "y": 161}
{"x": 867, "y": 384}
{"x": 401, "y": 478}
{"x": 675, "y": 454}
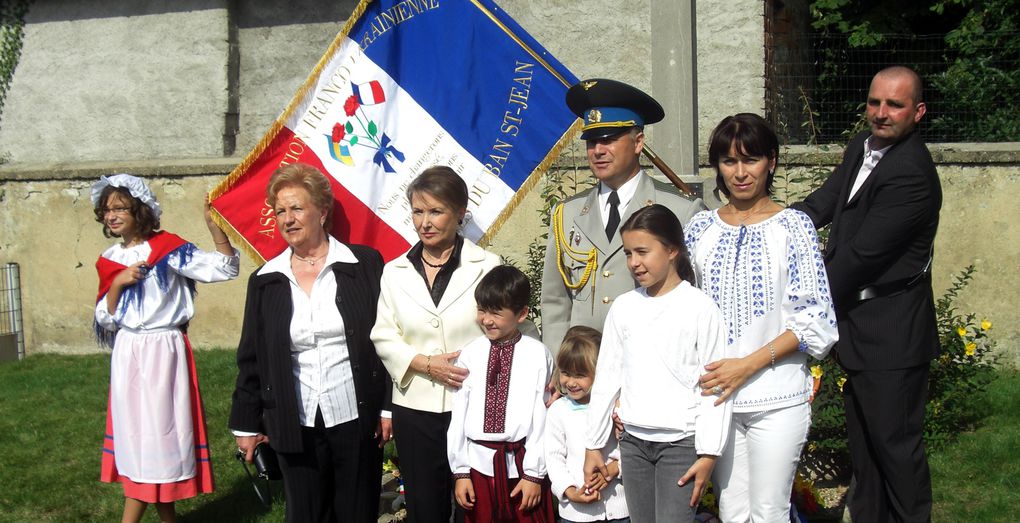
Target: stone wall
{"x": 110, "y": 81}
{"x": 179, "y": 91}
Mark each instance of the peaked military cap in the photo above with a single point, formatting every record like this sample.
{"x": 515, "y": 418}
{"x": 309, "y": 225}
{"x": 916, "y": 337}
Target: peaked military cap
{"x": 609, "y": 107}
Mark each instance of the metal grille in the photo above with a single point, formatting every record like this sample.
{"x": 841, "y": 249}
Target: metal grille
{"x": 817, "y": 85}
{"x": 12, "y": 335}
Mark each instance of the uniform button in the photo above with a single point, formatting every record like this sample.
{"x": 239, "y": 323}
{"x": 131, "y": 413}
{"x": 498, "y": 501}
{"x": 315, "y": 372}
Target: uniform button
{"x": 435, "y": 323}
{"x": 605, "y": 299}
{"x": 606, "y": 274}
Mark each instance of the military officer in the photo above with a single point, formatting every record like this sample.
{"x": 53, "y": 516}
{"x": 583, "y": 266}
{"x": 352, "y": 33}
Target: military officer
{"x": 585, "y": 267}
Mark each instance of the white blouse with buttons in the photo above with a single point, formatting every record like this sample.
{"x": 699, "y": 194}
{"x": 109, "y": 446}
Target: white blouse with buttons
{"x": 320, "y": 359}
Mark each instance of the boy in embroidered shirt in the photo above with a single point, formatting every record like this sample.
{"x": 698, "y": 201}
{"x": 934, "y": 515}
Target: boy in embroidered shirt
{"x": 495, "y": 435}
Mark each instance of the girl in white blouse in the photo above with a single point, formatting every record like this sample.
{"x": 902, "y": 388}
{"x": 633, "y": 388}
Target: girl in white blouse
{"x": 761, "y": 264}
{"x": 155, "y": 443}
{"x": 581, "y": 500}
{"x": 656, "y": 341}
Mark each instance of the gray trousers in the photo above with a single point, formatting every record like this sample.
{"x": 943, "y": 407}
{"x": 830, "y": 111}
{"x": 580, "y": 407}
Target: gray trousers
{"x": 651, "y": 471}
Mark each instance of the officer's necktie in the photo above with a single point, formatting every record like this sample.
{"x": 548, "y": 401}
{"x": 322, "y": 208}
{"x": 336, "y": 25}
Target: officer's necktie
{"x": 614, "y": 215}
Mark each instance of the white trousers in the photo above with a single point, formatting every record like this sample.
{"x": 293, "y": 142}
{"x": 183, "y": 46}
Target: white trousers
{"x": 754, "y": 475}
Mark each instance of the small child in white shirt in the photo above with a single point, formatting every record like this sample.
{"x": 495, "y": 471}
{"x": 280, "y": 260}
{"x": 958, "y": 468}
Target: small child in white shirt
{"x": 495, "y": 439}
{"x": 581, "y": 499}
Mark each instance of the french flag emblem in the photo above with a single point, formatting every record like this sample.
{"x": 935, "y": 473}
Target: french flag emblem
{"x": 369, "y": 93}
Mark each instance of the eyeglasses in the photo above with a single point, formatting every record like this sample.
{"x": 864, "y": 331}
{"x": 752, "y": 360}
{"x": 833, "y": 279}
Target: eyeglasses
{"x": 116, "y": 210}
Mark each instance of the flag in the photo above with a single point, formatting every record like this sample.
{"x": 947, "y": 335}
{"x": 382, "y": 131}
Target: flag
{"x": 406, "y": 85}
{"x": 370, "y": 93}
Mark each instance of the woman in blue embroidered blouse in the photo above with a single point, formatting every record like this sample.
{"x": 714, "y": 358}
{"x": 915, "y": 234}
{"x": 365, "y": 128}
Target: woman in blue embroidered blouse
{"x": 761, "y": 264}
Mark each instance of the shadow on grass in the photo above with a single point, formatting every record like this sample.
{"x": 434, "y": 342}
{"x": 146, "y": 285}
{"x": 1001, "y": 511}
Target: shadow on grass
{"x": 238, "y": 503}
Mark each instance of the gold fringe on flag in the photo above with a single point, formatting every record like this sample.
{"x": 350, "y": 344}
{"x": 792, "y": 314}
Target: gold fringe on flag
{"x": 238, "y": 241}
{"x": 529, "y": 184}
{"x": 275, "y": 128}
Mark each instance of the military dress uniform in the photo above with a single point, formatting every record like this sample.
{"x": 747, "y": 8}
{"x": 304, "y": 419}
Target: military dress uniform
{"x": 585, "y": 270}
{"x": 584, "y": 231}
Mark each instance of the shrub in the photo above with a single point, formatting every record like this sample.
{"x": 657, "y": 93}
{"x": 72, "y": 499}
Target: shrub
{"x": 957, "y": 388}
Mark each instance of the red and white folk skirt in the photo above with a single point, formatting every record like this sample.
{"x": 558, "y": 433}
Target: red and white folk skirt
{"x": 156, "y": 444}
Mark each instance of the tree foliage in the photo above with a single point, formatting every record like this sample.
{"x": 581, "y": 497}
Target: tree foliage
{"x": 975, "y": 81}
{"x": 983, "y": 75}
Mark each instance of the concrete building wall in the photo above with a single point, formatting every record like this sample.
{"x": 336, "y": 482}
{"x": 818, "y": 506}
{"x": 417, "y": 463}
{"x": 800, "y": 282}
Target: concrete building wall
{"x": 731, "y": 56}
{"x": 278, "y": 48}
{"x": 151, "y": 88}
{"x": 109, "y": 80}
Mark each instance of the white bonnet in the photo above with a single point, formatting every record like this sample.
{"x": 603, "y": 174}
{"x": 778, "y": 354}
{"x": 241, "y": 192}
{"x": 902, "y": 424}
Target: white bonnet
{"x": 135, "y": 185}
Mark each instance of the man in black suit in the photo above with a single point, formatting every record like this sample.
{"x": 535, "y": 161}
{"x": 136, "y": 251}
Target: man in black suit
{"x": 883, "y": 204}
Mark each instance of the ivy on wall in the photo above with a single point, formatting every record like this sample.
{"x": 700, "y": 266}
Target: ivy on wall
{"x": 12, "y": 24}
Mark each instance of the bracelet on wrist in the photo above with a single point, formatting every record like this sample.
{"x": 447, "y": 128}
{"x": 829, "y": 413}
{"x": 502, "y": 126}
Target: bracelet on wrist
{"x": 428, "y": 366}
{"x": 772, "y": 353}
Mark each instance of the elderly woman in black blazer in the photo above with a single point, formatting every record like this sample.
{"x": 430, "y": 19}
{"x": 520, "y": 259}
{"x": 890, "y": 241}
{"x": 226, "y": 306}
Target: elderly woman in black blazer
{"x": 309, "y": 380}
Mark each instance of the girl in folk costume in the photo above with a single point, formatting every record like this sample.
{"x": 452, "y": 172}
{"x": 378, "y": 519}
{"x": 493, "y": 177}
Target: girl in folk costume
{"x": 656, "y": 341}
{"x": 155, "y": 443}
{"x": 494, "y": 443}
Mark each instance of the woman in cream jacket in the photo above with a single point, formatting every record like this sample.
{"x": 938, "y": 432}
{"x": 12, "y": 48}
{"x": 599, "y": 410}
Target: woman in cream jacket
{"x": 426, "y": 314}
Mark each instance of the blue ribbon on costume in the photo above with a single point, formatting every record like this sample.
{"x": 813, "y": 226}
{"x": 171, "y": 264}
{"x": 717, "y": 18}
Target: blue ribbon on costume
{"x": 133, "y": 294}
{"x": 384, "y": 149}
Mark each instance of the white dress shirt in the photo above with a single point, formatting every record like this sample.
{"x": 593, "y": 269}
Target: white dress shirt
{"x": 625, "y": 193}
{"x": 159, "y": 308}
{"x": 320, "y": 359}
{"x": 871, "y": 159}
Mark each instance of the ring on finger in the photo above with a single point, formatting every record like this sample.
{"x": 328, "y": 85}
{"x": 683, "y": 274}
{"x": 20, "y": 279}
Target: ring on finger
{"x": 718, "y": 389}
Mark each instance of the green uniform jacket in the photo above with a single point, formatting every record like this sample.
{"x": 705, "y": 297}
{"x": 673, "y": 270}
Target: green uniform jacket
{"x": 563, "y": 308}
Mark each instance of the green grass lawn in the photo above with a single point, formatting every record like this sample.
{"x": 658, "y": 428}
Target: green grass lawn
{"x": 53, "y": 408}
{"x": 52, "y": 416}
{"x": 978, "y": 477}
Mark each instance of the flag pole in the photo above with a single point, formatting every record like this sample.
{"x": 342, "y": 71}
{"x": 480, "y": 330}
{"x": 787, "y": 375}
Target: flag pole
{"x": 665, "y": 169}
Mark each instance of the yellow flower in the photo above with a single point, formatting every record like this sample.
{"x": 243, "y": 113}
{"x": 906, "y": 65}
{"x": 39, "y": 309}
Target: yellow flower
{"x": 985, "y": 325}
{"x": 970, "y": 348}
{"x": 817, "y": 372}
{"x": 962, "y": 331}
{"x": 840, "y": 382}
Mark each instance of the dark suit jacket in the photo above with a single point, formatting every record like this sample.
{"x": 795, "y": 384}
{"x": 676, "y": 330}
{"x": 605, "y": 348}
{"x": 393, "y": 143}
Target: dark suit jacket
{"x": 882, "y": 235}
{"x": 265, "y": 399}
